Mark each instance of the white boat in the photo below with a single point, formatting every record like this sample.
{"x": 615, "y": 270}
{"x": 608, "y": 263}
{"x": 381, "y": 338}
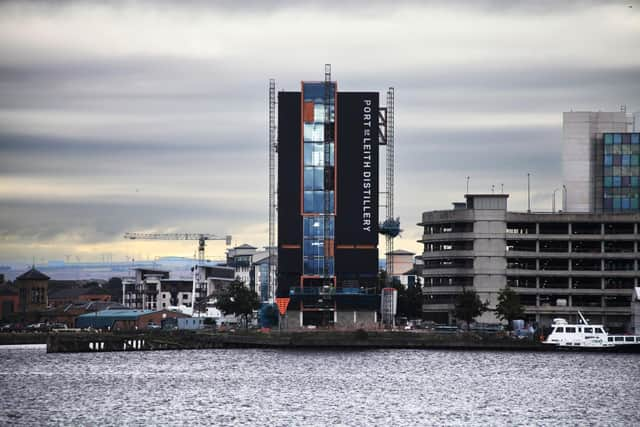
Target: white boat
{"x": 584, "y": 335}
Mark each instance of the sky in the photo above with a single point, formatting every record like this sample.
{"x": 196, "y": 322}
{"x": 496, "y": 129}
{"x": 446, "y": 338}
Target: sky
{"x": 152, "y": 116}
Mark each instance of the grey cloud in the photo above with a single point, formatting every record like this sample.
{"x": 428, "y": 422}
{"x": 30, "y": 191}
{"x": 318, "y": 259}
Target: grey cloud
{"x": 95, "y": 221}
{"x": 361, "y": 6}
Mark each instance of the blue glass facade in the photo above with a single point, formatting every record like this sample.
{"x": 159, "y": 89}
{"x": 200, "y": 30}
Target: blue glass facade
{"x": 621, "y": 172}
{"x": 318, "y": 177}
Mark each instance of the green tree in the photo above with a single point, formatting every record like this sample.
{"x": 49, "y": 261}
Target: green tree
{"x": 410, "y": 301}
{"x": 469, "y": 306}
{"x": 238, "y": 300}
{"x": 509, "y": 307}
{"x": 270, "y": 316}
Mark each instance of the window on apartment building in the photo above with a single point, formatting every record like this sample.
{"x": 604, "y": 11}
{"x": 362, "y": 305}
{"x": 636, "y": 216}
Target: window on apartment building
{"x": 620, "y": 228}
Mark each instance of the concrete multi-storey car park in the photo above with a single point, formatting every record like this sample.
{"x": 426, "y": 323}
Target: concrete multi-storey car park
{"x": 559, "y": 263}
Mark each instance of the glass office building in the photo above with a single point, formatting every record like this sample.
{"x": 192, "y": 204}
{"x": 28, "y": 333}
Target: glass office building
{"x": 621, "y": 172}
{"x": 318, "y": 179}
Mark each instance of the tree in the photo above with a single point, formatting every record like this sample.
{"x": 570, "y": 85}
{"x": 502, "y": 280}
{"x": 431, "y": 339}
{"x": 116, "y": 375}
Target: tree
{"x": 269, "y": 316}
{"x": 410, "y": 301}
{"x": 469, "y": 306}
{"x": 239, "y": 300}
{"x": 509, "y": 307}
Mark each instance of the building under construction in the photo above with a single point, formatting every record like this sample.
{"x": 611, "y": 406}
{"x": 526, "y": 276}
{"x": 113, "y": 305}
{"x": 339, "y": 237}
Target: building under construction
{"x": 327, "y": 146}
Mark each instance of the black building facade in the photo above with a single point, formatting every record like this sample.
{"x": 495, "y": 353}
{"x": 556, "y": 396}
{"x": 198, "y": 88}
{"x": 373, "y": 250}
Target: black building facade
{"x": 327, "y": 200}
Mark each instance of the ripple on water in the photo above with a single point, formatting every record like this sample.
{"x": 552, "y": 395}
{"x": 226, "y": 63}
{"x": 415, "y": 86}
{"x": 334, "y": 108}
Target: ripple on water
{"x": 273, "y": 387}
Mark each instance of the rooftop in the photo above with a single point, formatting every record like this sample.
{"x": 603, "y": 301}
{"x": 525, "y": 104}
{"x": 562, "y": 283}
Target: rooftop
{"x": 33, "y": 274}
{"x": 400, "y": 252}
{"x": 77, "y": 292}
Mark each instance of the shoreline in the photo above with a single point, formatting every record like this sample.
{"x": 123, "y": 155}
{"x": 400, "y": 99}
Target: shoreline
{"x": 156, "y": 340}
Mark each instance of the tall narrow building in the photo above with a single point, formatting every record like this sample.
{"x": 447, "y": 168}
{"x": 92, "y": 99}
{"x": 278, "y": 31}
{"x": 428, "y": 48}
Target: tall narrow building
{"x": 328, "y": 205}
{"x": 601, "y": 161}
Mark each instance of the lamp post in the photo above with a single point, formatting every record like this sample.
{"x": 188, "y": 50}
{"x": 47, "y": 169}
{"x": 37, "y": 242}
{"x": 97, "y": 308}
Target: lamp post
{"x": 529, "y": 192}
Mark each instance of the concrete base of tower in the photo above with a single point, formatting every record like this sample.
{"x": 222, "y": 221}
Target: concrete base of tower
{"x": 325, "y": 319}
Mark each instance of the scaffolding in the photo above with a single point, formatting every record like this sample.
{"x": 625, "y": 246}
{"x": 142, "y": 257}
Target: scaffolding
{"x": 272, "y": 149}
{"x": 390, "y": 228}
{"x": 328, "y": 238}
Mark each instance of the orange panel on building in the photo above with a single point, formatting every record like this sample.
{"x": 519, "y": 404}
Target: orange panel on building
{"x": 307, "y": 112}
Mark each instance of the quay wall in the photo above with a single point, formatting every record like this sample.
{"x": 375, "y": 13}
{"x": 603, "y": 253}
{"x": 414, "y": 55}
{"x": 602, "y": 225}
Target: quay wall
{"x": 359, "y": 339}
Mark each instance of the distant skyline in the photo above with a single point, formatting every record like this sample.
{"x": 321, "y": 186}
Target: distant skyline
{"x": 152, "y": 116}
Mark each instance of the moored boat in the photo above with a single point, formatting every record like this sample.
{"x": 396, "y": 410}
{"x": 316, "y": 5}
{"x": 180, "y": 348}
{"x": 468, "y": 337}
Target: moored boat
{"x": 585, "y": 336}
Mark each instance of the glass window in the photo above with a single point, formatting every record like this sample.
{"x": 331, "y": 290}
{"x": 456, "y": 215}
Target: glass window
{"x": 635, "y": 138}
{"x": 625, "y": 203}
{"x": 570, "y": 329}
{"x": 608, "y": 160}
{"x": 626, "y": 149}
{"x": 313, "y": 226}
{"x": 314, "y": 132}
{"x": 635, "y": 160}
{"x": 608, "y": 138}
{"x": 608, "y": 203}
{"x": 309, "y": 207}
{"x": 313, "y": 178}
{"x": 318, "y": 112}
{"x": 314, "y": 201}
{"x": 617, "y": 160}
{"x": 634, "y": 203}
{"x": 626, "y": 160}
{"x": 626, "y": 181}
{"x": 617, "y": 138}
{"x": 608, "y": 182}
{"x": 617, "y": 181}
{"x": 314, "y": 154}
{"x": 588, "y": 330}
{"x": 608, "y": 171}
{"x": 599, "y": 331}
{"x": 616, "y": 203}
{"x": 313, "y": 265}
{"x": 313, "y": 247}
{"x": 315, "y": 91}
{"x": 560, "y": 330}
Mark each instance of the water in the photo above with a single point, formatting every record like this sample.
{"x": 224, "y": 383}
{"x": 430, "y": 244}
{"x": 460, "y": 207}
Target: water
{"x": 275, "y": 387}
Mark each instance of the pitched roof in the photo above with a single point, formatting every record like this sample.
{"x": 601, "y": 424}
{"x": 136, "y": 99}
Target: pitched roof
{"x": 400, "y": 252}
{"x": 77, "y": 292}
{"x": 245, "y": 246}
{"x": 33, "y": 274}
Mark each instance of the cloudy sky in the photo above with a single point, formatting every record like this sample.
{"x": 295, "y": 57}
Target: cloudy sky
{"x": 151, "y": 116}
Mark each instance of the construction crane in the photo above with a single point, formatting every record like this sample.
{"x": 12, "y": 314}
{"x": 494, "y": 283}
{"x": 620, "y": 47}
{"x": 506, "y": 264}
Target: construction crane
{"x": 199, "y": 291}
{"x": 200, "y": 237}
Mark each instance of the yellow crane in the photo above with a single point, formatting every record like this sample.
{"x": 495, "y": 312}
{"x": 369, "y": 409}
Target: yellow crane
{"x": 200, "y": 237}
{"x": 199, "y": 285}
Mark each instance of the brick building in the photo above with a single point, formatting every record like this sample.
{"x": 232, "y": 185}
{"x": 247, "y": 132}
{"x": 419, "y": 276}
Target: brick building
{"x": 33, "y": 287}
{"x": 9, "y": 301}
{"x": 126, "y": 320}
